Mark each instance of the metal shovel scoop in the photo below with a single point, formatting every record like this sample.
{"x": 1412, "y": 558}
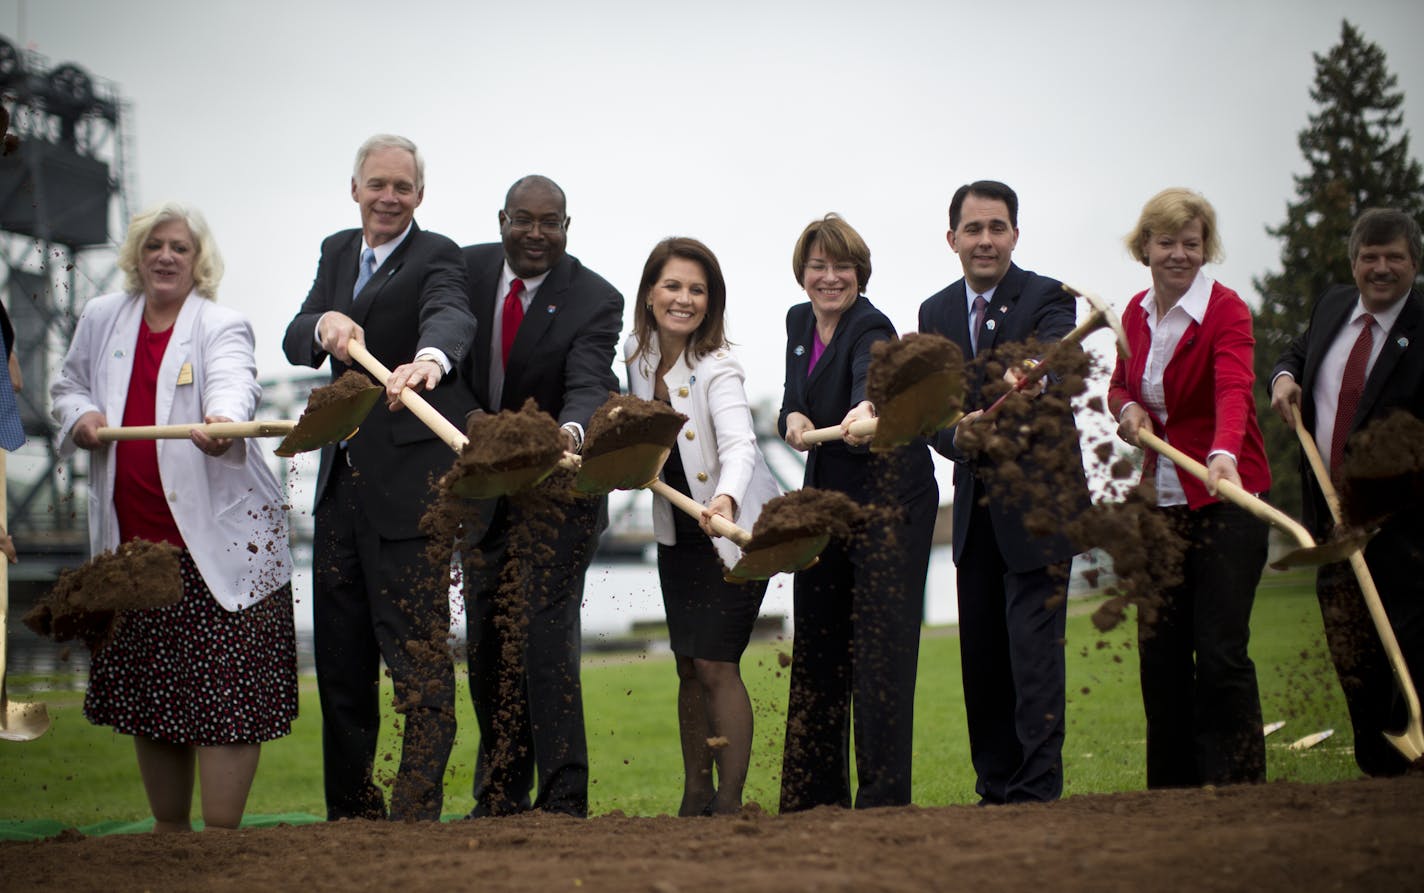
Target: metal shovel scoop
{"x": 926, "y": 395}
{"x": 630, "y": 459}
{"x": 485, "y": 483}
{"x": 1308, "y": 553}
{"x": 19, "y": 721}
{"x": 1410, "y": 742}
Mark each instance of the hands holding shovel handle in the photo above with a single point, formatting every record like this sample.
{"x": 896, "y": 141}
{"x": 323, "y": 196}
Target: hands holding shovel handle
{"x": 1410, "y": 742}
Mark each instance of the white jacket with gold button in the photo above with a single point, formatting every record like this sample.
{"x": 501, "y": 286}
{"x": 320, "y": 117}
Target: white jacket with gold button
{"x": 718, "y": 445}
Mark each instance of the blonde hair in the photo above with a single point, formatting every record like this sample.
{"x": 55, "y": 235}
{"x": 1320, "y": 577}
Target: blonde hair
{"x": 207, "y": 262}
{"x": 1166, "y": 213}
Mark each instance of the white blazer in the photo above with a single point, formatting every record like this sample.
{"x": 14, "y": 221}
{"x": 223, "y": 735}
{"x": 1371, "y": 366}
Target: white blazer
{"x": 230, "y": 509}
{"x": 717, "y": 444}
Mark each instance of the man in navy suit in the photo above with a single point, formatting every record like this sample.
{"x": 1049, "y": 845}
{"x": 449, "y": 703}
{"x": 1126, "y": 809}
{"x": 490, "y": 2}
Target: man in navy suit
{"x": 1381, "y": 314}
{"x": 549, "y": 330}
{"x": 1012, "y": 583}
{"x": 401, "y": 292}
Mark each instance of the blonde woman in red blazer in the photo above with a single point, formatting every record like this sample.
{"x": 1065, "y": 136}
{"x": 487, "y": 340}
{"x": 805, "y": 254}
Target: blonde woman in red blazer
{"x": 1189, "y": 381}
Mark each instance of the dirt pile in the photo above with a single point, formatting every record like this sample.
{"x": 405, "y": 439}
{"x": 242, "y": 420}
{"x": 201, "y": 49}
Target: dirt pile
{"x": 806, "y": 512}
{"x": 351, "y": 384}
{"x": 85, "y": 600}
{"x": 1383, "y": 472}
{"x": 628, "y": 421}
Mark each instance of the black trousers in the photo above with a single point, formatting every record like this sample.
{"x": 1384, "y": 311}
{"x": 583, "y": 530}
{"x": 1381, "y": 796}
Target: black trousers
{"x": 857, "y": 641}
{"x": 1396, "y": 561}
{"x": 1198, "y": 682}
{"x": 524, "y": 658}
{"x": 377, "y": 599}
{"x": 1011, "y": 628}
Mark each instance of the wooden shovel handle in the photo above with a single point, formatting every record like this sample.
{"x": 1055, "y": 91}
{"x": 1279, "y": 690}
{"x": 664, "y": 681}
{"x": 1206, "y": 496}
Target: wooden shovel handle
{"x": 417, "y": 404}
{"x": 720, "y": 525}
{"x": 224, "y": 430}
{"x": 859, "y": 428}
{"x": 1362, "y": 573}
{"x": 1231, "y": 492}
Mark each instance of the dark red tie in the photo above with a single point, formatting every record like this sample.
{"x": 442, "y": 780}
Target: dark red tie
{"x": 976, "y": 321}
{"x": 1352, "y": 385}
{"x": 513, "y": 316}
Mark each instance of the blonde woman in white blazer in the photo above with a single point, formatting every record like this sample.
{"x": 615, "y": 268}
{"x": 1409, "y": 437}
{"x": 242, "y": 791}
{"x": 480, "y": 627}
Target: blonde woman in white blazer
{"x": 678, "y": 353}
{"x": 202, "y": 683}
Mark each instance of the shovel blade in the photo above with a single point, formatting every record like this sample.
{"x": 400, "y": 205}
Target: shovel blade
{"x": 928, "y": 405}
{"x": 21, "y": 721}
{"x": 500, "y": 483}
{"x": 329, "y": 424}
{"x": 626, "y": 468}
{"x": 1325, "y": 553}
{"x": 785, "y": 557}
{"x": 1410, "y": 743}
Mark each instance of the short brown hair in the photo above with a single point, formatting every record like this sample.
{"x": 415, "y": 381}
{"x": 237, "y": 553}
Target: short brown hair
{"x": 1167, "y": 212}
{"x": 711, "y": 333}
{"x": 839, "y": 241}
{"x": 1380, "y": 226}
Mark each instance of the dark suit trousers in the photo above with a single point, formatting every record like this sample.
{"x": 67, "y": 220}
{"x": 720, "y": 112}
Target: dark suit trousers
{"x": 857, "y": 641}
{"x": 1011, "y": 628}
{"x": 375, "y": 598}
{"x": 1396, "y": 561}
{"x": 528, "y": 700}
{"x": 1198, "y": 682}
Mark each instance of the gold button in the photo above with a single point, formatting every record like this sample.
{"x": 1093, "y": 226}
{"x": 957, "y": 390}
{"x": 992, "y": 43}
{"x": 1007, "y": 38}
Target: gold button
{"x": 702, "y": 476}
{"x": 691, "y": 436}
{"x": 682, "y": 392}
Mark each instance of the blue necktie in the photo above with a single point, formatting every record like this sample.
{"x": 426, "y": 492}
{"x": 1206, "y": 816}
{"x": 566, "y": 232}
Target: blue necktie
{"x": 368, "y": 267}
{"x": 12, "y": 432}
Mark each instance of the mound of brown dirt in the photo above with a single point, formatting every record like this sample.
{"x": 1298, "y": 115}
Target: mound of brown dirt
{"x": 900, "y": 363}
{"x": 1383, "y": 471}
{"x": 1359, "y": 835}
{"x": 137, "y": 575}
{"x": 351, "y": 384}
{"x": 802, "y": 513}
{"x": 626, "y": 421}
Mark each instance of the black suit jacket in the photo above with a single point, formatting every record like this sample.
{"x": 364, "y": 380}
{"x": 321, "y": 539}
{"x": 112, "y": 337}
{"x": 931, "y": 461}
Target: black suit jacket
{"x": 1026, "y": 305}
{"x": 415, "y": 299}
{"x": 828, "y": 393}
{"x": 1396, "y": 382}
{"x": 563, "y": 354}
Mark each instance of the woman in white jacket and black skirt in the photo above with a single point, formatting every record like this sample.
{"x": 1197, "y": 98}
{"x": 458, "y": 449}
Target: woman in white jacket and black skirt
{"x": 678, "y": 353}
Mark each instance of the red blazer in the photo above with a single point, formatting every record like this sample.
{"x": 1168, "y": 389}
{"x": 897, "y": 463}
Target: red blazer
{"x": 1207, "y": 384}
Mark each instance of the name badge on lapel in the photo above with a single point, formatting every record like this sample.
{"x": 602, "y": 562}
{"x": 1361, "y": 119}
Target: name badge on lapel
{"x": 185, "y": 374}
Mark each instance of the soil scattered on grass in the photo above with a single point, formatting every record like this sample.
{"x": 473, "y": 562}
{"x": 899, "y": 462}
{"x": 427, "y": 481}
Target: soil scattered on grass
{"x": 84, "y": 601}
{"x": 349, "y": 385}
{"x": 625, "y": 420}
{"x": 1383, "y": 472}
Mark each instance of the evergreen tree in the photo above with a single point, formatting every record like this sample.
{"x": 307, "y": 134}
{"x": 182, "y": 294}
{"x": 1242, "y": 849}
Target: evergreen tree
{"x": 1357, "y": 158}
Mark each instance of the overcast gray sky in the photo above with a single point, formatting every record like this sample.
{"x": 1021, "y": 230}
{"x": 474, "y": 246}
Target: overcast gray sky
{"x": 736, "y": 123}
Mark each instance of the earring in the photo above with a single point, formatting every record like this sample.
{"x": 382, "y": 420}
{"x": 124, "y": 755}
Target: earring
{"x": 650, "y": 307}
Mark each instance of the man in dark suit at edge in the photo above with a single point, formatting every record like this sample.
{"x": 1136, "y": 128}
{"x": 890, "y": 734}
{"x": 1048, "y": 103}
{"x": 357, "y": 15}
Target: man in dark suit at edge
{"x": 549, "y": 330}
{"x": 1012, "y": 585}
{"x": 400, "y": 291}
{"x": 1376, "y": 326}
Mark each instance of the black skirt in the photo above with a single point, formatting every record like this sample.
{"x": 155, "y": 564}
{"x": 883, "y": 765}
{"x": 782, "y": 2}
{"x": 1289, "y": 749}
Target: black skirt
{"x": 707, "y": 617}
{"x": 195, "y": 673}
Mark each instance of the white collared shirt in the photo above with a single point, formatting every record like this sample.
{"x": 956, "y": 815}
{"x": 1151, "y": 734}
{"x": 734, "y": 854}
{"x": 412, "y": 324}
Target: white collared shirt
{"x": 1332, "y": 366}
{"x": 1166, "y": 334}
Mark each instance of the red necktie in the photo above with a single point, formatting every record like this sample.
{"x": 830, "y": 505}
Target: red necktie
{"x": 1352, "y": 385}
{"x": 976, "y": 321}
{"x": 513, "y": 316}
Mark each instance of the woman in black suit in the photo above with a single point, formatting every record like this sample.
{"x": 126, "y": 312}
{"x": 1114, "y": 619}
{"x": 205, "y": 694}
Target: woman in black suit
{"x": 858, "y": 611}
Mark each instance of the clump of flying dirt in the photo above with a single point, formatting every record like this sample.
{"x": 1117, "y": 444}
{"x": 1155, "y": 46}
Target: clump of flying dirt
{"x": 1147, "y": 554}
{"x": 85, "y": 600}
{"x": 899, "y": 364}
{"x": 806, "y": 512}
{"x": 626, "y": 421}
{"x": 1383, "y": 472}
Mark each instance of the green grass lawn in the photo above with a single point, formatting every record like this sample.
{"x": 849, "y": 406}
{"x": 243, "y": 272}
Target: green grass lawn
{"x": 81, "y": 774}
